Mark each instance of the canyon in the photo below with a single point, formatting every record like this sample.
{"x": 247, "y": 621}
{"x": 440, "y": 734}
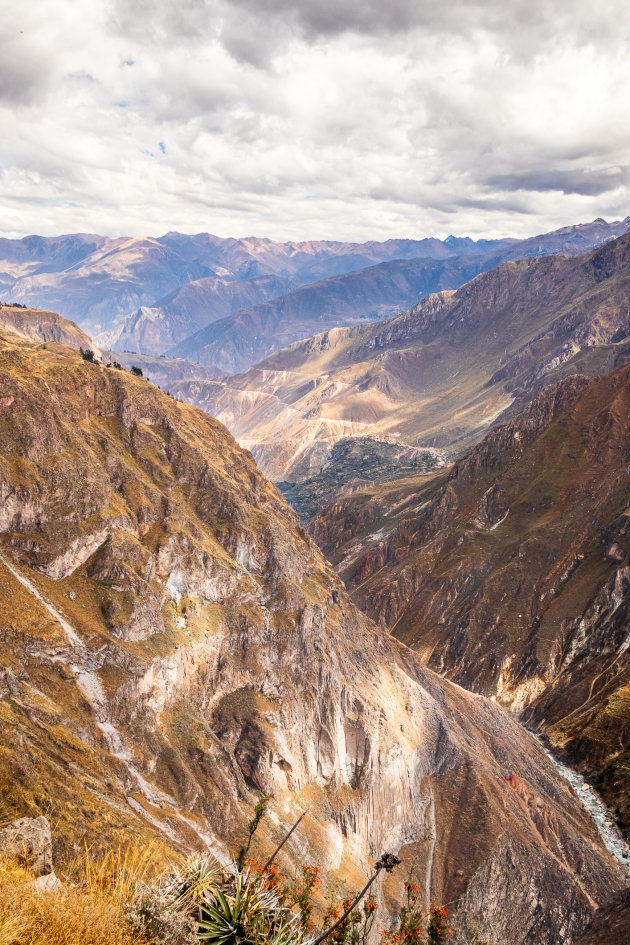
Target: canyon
{"x": 172, "y": 643}
{"x": 436, "y": 377}
{"x": 508, "y": 571}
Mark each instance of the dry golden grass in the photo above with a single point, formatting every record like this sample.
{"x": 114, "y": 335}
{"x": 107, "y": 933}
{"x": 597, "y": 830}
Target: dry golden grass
{"x": 91, "y": 910}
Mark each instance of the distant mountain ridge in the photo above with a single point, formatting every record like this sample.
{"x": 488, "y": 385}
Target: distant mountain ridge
{"x": 134, "y": 287}
{"x": 436, "y": 376}
{"x": 377, "y": 292}
{"x": 98, "y": 279}
{"x": 158, "y": 328}
{"x": 368, "y": 289}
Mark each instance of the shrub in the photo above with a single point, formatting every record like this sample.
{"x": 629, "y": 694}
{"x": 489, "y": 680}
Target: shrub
{"x": 136, "y": 370}
{"x": 133, "y": 896}
{"x": 88, "y": 355}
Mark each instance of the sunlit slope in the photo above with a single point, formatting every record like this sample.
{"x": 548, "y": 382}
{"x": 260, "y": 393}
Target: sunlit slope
{"x": 438, "y": 375}
{"x": 172, "y": 644}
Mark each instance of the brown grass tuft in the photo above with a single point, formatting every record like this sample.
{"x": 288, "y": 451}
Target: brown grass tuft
{"x": 88, "y": 911}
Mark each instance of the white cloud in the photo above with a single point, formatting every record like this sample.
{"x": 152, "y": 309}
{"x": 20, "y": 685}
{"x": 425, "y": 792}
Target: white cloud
{"x": 305, "y": 120}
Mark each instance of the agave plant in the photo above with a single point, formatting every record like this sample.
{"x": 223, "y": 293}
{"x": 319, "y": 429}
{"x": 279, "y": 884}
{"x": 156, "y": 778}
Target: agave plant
{"x": 243, "y": 911}
{"x": 198, "y": 877}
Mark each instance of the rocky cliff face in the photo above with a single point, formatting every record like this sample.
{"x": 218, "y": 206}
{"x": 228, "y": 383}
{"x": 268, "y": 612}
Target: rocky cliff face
{"x": 510, "y": 573}
{"x": 611, "y": 922}
{"x": 38, "y": 325}
{"x": 171, "y": 643}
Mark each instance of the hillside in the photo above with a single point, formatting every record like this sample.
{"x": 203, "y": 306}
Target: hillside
{"x": 509, "y": 573}
{"x": 438, "y": 376}
{"x": 172, "y": 643}
{"x": 377, "y": 292}
{"x": 42, "y": 326}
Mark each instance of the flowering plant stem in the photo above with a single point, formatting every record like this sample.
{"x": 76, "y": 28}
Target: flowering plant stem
{"x": 387, "y": 862}
{"x": 277, "y": 850}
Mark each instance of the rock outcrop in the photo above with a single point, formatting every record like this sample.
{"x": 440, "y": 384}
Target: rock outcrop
{"x": 28, "y": 840}
{"x": 172, "y": 643}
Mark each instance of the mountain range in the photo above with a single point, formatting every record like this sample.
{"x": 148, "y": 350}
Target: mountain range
{"x": 151, "y": 295}
{"x": 437, "y": 376}
{"x": 98, "y": 280}
{"x": 172, "y": 643}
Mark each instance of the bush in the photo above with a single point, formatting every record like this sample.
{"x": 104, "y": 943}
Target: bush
{"x": 88, "y": 355}
{"x": 133, "y": 897}
{"x": 136, "y": 370}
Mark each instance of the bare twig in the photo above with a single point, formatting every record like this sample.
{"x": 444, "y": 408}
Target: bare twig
{"x": 277, "y": 850}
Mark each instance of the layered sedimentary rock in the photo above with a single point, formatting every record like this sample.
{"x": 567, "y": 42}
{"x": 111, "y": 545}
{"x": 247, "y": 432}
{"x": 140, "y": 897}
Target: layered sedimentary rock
{"x": 172, "y": 643}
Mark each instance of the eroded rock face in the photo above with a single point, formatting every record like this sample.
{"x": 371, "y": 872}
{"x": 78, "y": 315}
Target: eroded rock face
{"x": 28, "y": 840}
{"x": 510, "y": 573}
{"x": 610, "y": 924}
{"x": 205, "y": 651}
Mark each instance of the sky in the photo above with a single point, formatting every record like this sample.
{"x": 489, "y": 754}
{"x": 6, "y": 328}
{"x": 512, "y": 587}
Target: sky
{"x": 313, "y": 119}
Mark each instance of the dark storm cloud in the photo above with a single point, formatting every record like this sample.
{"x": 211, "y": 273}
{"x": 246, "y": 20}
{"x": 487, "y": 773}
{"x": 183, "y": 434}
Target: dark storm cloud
{"x": 255, "y": 29}
{"x": 23, "y": 78}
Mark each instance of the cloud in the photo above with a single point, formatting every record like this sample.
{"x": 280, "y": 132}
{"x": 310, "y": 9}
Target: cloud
{"x": 345, "y": 119}
{"x": 584, "y": 182}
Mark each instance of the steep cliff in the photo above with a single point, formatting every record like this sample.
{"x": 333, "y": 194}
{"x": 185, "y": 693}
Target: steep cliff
{"x": 38, "y": 325}
{"x": 171, "y": 642}
{"x": 510, "y": 573}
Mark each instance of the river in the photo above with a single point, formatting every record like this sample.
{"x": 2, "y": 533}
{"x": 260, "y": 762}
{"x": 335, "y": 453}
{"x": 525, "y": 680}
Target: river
{"x": 592, "y": 802}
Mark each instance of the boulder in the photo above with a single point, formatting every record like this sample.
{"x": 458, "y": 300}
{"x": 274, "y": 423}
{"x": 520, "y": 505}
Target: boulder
{"x": 29, "y": 841}
{"x": 49, "y": 883}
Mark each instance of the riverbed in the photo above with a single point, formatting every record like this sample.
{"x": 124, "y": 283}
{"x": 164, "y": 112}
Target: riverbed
{"x": 601, "y": 814}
